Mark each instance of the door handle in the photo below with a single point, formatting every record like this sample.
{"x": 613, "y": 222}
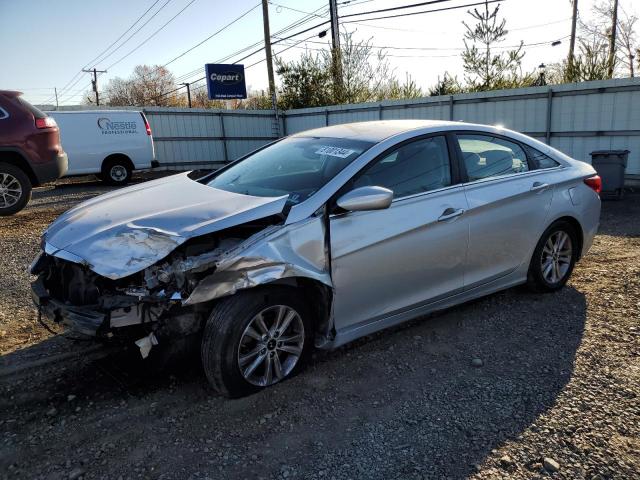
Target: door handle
{"x": 450, "y": 213}
{"x": 537, "y": 186}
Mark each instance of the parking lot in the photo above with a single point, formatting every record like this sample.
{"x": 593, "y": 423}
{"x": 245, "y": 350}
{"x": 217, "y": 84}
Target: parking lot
{"x": 516, "y": 385}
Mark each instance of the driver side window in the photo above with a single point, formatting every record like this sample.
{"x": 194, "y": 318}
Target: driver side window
{"x": 413, "y": 168}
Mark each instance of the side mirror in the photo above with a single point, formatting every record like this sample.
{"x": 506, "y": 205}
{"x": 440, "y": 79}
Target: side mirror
{"x": 366, "y": 198}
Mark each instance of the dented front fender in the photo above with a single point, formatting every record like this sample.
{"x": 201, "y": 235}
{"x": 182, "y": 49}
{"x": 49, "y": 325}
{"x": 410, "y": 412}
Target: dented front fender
{"x": 297, "y": 250}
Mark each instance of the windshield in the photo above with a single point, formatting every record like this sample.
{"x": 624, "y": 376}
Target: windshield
{"x": 296, "y": 166}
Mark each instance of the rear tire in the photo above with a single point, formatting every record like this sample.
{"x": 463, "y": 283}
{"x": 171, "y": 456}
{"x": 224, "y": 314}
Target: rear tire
{"x": 15, "y": 189}
{"x": 554, "y": 258}
{"x": 233, "y": 341}
{"x": 116, "y": 171}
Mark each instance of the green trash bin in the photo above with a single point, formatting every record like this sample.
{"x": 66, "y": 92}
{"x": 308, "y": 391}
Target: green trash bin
{"x": 611, "y": 165}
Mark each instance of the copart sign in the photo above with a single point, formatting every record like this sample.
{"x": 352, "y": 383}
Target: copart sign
{"x": 225, "y": 81}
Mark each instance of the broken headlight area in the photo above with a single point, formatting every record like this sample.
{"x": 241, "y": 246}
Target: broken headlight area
{"x": 147, "y": 306}
{"x": 85, "y": 303}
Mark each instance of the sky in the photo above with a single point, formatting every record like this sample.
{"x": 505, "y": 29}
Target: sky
{"x": 45, "y": 44}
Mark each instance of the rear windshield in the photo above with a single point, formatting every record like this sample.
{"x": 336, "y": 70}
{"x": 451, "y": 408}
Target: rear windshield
{"x": 37, "y": 113}
{"x": 296, "y": 166}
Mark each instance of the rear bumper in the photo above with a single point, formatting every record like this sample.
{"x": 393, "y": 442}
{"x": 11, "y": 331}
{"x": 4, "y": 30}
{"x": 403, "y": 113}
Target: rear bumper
{"x": 50, "y": 171}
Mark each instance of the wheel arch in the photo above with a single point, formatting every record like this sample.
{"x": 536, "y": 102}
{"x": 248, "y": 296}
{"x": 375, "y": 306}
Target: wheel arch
{"x": 316, "y": 294}
{"x": 577, "y": 227}
{"x": 17, "y": 159}
{"x": 117, "y": 156}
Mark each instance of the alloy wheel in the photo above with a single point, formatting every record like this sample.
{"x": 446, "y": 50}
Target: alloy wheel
{"x": 556, "y": 256}
{"x": 271, "y": 345}
{"x": 10, "y": 190}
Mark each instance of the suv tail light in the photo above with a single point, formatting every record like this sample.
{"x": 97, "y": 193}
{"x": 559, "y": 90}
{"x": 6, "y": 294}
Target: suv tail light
{"x": 146, "y": 123}
{"x": 46, "y": 122}
{"x": 595, "y": 183}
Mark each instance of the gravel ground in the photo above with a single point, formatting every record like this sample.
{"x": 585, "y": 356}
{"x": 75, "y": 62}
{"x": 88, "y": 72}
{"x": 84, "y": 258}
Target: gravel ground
{"x": 516, "y": 385}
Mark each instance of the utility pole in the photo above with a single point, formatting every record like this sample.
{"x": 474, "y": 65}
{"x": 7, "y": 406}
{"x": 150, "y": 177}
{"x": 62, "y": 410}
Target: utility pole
{"x": 572, "y": 42}
{"x": 55, "y": 90}
{"x": 335, "y": 44}
{"x": 94, "y": 82}
{"x": 612, "y": 41}
{"x": 267, "y": 49}
{"x": 188, "y": 85}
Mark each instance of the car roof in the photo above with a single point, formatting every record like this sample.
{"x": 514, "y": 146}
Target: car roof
{"x": 376, "y": 131}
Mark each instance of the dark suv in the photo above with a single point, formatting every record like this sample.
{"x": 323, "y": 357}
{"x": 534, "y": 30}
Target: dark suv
{"x": 30, "y": 151}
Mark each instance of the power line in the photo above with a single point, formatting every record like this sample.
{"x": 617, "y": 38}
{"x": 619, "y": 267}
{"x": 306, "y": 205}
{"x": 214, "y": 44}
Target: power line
{"x": 198, "y": 70}
{"x": 203, "y": 41}
{"x": 308, "y": 15}
{"x": 282, "y": 51}
{"x": 213, "y": 34}
{"x": 401, "y": 7}
{"x": 128, "y": 30}
{"x": 153, "y": 34}
{"x": 418, "y": 13}
{"x": 118, "y": 39}
{"x": 327, "y": 21}
{"x": 392, "y": 47}
{"x": 298, "y": 22}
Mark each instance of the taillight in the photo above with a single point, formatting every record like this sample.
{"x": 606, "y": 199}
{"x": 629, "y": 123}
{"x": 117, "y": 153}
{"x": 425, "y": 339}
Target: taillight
{"x": 594, "y": 183}
{"x": 46, "y": 122}
{"x": 146, "y": 124}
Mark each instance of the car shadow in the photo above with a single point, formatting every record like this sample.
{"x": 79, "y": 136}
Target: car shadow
{"x": 435, "y": 395}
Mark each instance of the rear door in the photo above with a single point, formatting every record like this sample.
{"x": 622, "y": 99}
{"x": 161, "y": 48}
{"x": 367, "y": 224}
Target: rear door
{"x": 79, "y": 138}
{"x": 508, "y": 205}
{"x": 387, "y": 261}
{"x": 125, "y": 132}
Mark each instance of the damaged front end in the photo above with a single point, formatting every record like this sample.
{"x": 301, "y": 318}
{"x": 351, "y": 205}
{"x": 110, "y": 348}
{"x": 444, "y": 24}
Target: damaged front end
{"x": 173, "y": 297}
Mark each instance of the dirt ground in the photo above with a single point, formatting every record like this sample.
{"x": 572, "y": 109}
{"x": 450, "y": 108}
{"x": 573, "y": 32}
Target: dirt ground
{"x": 557, "y": 393}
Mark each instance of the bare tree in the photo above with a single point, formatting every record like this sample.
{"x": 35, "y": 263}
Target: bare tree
{"x": 626, "y": 43}
{"x": 147, "y": 85}
{"x": 590, "y": 63}
{"x": 628, "y": 40}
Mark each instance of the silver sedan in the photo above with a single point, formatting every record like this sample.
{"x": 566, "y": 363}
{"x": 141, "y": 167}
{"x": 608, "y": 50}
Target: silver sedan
{"x": 315, "y": 240}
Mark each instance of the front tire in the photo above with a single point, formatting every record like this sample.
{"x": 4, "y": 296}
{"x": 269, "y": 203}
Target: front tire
{"x": 554, "y": 258}
{"x": 15, "y": 189}
{"x": 254, "y": 339}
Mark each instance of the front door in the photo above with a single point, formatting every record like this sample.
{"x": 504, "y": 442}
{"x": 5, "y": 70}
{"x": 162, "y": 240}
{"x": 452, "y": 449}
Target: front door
{"x": 387, "y": 261}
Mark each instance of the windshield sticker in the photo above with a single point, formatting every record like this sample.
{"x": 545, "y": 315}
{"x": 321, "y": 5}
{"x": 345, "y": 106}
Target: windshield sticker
{"x": 334, "y": 151}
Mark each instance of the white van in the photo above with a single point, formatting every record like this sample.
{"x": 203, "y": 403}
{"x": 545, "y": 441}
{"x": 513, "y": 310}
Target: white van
{"x": 108, "y": 143}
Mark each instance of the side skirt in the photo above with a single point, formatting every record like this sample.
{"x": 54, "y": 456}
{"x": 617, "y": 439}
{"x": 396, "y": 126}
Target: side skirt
{"x": 349, "y": 334}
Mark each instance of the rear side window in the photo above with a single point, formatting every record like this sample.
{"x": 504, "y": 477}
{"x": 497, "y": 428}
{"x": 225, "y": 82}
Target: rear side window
{"x": 540, "y": 160}
{"x": 487, "y": 156}
{"x": 37, "y": 113}
{"x": 413, "y": 168}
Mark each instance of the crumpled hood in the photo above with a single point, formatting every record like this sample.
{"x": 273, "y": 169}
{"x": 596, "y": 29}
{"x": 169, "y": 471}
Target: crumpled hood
{"x": 128, "y": 230}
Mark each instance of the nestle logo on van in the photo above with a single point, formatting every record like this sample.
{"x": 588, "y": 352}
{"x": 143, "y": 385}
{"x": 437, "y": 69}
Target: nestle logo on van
{"x": 227, "y": 78}
{"x": 109, "y": 127}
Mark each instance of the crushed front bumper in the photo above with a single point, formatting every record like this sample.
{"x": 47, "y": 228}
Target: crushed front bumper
{"x": 82, "y": 320}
